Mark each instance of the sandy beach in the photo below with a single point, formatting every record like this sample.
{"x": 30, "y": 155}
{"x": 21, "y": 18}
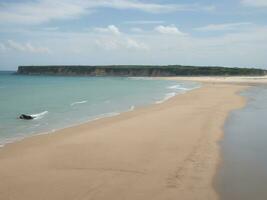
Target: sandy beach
{"x": 237, "y": 80}
{"x": 161, "y": 152}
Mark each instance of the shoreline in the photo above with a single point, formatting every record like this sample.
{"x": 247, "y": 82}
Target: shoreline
{"x": 244, "y": 136}
{"x": 100, "y": 116}
{"x": 182, "y": 167}
{"x": 220, "y": 139}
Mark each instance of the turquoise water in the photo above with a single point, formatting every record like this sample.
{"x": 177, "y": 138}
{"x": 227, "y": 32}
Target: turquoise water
{"x": 243, "y": 173}
{"x": 59, "y": 102}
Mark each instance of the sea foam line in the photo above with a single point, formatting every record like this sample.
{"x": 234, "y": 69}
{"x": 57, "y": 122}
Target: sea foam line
{"x": 167, "y": 96}
{"x": 141, "y": 78}
{"x": 179, "y": 87}
{"x": 39, "y": 115}
{"x": 78, "y": 102}
{"x": 174, "y": 87}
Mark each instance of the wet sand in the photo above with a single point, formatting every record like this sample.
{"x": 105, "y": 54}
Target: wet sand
{"x": 161, "y": 152}
{"x": 242, "y": 174}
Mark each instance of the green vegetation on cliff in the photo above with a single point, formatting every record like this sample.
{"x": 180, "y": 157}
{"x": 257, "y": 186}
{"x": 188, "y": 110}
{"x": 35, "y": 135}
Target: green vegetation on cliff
{"x": 138, "y": 70}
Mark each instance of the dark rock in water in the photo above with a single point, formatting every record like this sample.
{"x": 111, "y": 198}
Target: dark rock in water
{"x": 26, "y": 117}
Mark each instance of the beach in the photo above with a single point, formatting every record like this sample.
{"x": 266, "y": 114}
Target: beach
{"x": 162, "y": 151}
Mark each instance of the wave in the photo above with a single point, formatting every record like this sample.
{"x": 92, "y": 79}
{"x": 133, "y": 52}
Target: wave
{"x": 167, "y": 96}
{"x": 188, "y": 89}
{"x": 179, "y": 87}
{"x": 39, "y": 115}
{"x": 141, "y": 78}
{"x": 111, "y": 114}
{"x": 78, "y": 102}
{"x": 132, "y": 108}
{"x": 185, "y": 89}
{"x": 174, "y": 87}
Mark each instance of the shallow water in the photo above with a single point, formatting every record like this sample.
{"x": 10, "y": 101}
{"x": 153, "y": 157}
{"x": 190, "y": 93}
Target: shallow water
{"x": 243, "y": 173}
{"x": 58, "y": 102}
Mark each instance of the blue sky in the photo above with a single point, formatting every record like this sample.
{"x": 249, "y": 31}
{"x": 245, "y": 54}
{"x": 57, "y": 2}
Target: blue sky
{"x": 87, "y": 32}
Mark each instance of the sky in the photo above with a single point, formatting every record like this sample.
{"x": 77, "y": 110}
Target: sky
{"x": 156, "y": 32}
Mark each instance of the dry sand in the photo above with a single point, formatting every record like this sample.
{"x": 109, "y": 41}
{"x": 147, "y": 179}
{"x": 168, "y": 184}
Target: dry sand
{"x": 241, "y": 80}
{"x": 162, "y": 152}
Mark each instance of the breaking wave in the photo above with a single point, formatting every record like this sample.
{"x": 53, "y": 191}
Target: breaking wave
{"x": 39, "y": 115}
{"x": 78, "y": 102}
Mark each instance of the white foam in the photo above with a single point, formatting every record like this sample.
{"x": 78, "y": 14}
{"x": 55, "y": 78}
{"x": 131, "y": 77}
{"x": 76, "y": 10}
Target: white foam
{"x": 10, "y": 140}
{"x": 106, "y": 115}
{"x": 185, "y": 89}
{"x": 174, "y": 87}
{"x": 179, "y": 87}
{"x": 78, "y": 102}
{"x": 132, "y": 108}
{"x": 141, "y": 78}
{"x": 39, "y": 115}
{"x": 167, "y": 96}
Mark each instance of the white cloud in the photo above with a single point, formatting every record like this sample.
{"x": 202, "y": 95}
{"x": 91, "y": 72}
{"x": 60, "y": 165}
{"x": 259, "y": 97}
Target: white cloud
{"x": 241, "y": 48}
{"x": 51, "y": 28}
{"x": 133, "y": 44}
{"x": 137, "y": 30}
{"x": 109, "y": 29}
{"x": 28, "y": 47}
{"x": 223, "y": 27}
{"x": 118, "y": 44}
{"x": 150, "y": 7}
{"x": 168, "y": 30}
{"x": 145, "y": 22}
{"x": 36, "y": 12}
{"x": 114, "y": 39}
{"x": 39, "y": 11}
{"x": 254, "y": 3}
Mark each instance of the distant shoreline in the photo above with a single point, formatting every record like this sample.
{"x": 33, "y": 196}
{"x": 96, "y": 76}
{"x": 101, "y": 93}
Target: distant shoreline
{"x": 138, "y": 70}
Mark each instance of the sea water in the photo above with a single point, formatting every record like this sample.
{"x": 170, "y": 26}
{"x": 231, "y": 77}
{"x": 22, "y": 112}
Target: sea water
{"x": 58, "y": 102}
{"x": 243, "y": 172}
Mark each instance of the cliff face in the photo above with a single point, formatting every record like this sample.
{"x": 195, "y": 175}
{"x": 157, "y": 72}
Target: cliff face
{"x": 153, "y": 71}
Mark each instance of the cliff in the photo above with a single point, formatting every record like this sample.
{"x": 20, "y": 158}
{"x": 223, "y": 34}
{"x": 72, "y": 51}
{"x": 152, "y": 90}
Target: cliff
{"x": 138, "y": 70}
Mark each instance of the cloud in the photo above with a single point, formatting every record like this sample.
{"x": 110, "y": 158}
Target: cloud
{"x": 40, "y": 11}
{"x": 254, "y": 3}
{"x": 28, "y": 47}
{"x": 145, "y": 22}
{"x": 150, "y": 7}
{"x": 50, "y": 28}
{"x": 35, "y": 12}
{"x": 246, "y": 47}
{"x": 114, "y": 39}
{"x": 109, "y": 29}
{"x": 168, "y": 30}
{"x": 137, "y": 30}
{"x": 118, "y": 44}
{"x": 223, "y": 27}
{"x": 133, "y": 44}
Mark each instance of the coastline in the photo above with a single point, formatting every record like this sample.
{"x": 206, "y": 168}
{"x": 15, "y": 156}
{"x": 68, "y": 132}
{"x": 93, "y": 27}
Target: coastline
{"x": 168, "y": 95}
{"x": 157, "y": 165}
{"x": 243, "y": 149}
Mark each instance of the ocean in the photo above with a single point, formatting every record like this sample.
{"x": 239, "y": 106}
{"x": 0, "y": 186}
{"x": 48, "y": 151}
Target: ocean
{"x": 59, "y": 102}
{"x": 243, "y": 172}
